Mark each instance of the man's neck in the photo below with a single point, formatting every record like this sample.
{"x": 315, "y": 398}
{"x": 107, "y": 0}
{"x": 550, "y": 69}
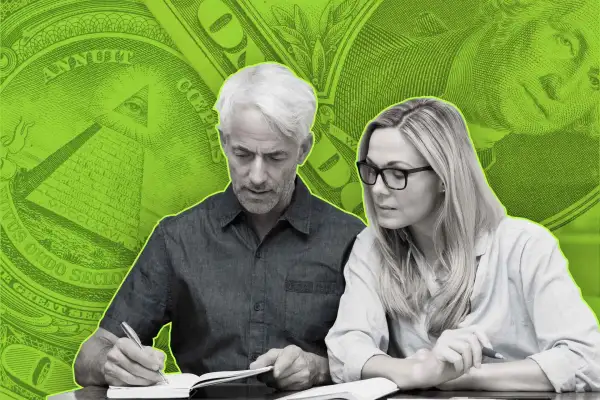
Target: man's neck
{"x": 263, "y": 223}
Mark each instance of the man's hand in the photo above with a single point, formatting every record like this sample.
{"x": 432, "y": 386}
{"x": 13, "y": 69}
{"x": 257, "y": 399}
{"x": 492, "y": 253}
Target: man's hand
{"x": 128, "y": 365}
{"x": 293, "y": 368}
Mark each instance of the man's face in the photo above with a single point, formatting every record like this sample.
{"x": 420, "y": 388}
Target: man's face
{"x": 544, "y": 74}
{"x": 262, "y": 163}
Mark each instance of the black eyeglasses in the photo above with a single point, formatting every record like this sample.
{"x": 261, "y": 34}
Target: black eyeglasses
{"x": 393, "y": 178}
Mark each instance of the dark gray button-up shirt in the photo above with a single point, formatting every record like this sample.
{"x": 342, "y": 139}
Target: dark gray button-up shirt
{"x": 229, "y": 296}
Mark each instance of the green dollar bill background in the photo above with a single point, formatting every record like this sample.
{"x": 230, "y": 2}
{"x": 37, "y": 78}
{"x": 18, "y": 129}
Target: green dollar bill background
{"x": 106, "y": 125}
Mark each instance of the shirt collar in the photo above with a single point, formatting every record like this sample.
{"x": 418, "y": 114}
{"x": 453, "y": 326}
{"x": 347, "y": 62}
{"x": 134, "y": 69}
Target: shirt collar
{"x": 297, "y": 213}
{"x": 481, "y": 243}
{"x": 229, "y": 207}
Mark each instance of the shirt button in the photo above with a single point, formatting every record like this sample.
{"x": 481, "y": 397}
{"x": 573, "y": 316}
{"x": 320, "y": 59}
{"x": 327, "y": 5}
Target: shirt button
{"x": 258, "y": 254}
{"x": 259, "y": 306}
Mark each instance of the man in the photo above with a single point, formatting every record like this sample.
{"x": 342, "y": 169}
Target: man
{"x": 248, "y": 277}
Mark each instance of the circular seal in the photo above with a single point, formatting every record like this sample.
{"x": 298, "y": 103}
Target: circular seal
{"x": 105, "y": 129}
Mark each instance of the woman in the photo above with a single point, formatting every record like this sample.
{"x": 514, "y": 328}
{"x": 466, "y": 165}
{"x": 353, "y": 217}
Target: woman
{"x": 442, "y": 272}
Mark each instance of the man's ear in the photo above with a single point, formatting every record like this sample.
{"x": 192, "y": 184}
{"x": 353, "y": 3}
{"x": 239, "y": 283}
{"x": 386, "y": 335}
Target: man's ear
{"x": 222, "y": 138}
{"x": 305, "y": 147}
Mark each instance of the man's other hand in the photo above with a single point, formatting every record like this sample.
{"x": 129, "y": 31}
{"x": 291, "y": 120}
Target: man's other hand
{"x": 293, "y": 368}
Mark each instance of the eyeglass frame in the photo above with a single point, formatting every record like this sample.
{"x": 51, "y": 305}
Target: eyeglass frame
{"x": 379, "y": 171}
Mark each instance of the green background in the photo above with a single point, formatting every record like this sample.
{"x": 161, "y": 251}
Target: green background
{"x": 106, "y": 125}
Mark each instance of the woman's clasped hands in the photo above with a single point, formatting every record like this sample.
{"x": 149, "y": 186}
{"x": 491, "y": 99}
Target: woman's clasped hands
{"x": 455, "y": 352}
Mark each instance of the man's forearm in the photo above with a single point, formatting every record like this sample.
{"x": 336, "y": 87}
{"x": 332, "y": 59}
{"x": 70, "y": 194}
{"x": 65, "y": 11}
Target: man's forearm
{"x": 320, "y": 370}
{"x": 90, "y": 362}
{"x": 522, "y": 375}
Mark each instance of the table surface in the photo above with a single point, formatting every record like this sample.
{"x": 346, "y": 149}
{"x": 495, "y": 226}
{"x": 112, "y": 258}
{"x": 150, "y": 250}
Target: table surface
{"x": 260, "y": 391}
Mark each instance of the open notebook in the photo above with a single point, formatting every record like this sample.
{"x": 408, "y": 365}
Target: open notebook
{"x": 366, "y": 389}
{"x": 180, "y": 385}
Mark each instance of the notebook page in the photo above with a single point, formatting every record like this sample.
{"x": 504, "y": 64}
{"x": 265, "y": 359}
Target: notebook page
{"x": 366, "y": 389}
{"x": 180, "y": 381}
{"x": 232, "y": 374}
{"x": 175, "y": 381}
{"x": 179, "y": 385}
{"x": 147, "y": 392}
{"x": 237, "y": 376}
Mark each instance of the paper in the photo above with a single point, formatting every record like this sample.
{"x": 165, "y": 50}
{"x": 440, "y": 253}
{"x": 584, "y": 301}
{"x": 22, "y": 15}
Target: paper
{"x": 366, "y": 389}
{"x": 180, "y": 385}
{"x": 451, "y": 398}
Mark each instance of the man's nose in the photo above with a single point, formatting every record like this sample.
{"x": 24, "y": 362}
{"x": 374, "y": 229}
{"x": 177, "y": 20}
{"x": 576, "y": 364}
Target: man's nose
{"x": 552, "y": 84}
{"x": 258, "y": 173}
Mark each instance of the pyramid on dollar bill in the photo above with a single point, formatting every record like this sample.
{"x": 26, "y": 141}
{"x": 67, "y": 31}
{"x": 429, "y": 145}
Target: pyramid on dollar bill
{"x": 95, "y": 180}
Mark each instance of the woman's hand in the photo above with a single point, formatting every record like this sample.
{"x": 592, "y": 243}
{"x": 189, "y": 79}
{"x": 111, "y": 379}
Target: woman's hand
{"x": 454, "y": 353}
{"x": 462, "y": 347}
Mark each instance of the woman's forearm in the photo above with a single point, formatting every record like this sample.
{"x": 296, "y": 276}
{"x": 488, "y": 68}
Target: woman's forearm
{"x": 522, "y": 375}
{"x": 403, "y": 372}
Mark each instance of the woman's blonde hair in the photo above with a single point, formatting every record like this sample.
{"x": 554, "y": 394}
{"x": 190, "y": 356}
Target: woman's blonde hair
{"x": 468, "y": 209}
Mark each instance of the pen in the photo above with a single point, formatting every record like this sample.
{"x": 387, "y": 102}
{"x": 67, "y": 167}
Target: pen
{"x": 133, "y": 336}
{"x": 486, "y": 351}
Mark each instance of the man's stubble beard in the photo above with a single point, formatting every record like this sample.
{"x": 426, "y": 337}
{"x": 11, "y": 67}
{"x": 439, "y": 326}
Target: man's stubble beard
{"x": 282, "y": 197}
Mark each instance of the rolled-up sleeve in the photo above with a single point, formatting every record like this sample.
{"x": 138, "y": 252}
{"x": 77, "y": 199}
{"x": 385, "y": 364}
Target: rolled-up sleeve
{"x": 566, "y": 328}
{"x": 360, "y": 330}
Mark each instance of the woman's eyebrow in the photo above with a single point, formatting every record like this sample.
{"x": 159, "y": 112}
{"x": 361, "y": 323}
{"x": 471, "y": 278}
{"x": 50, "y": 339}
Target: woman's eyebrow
{"x": 390, "y": 163}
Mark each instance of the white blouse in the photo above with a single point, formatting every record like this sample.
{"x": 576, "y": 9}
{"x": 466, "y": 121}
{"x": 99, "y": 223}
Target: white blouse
{"x": 523, "y": 298}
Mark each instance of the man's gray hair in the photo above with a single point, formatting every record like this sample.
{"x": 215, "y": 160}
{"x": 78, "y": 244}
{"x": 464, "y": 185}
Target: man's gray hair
{"x": 287, "y": 102}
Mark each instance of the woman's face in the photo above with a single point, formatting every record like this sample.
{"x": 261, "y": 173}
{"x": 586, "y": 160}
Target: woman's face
{"x": 417, "y": 202}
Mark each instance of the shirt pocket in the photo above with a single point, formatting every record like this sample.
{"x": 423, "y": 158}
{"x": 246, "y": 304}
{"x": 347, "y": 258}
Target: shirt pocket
{"x": 311, "y": 303}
